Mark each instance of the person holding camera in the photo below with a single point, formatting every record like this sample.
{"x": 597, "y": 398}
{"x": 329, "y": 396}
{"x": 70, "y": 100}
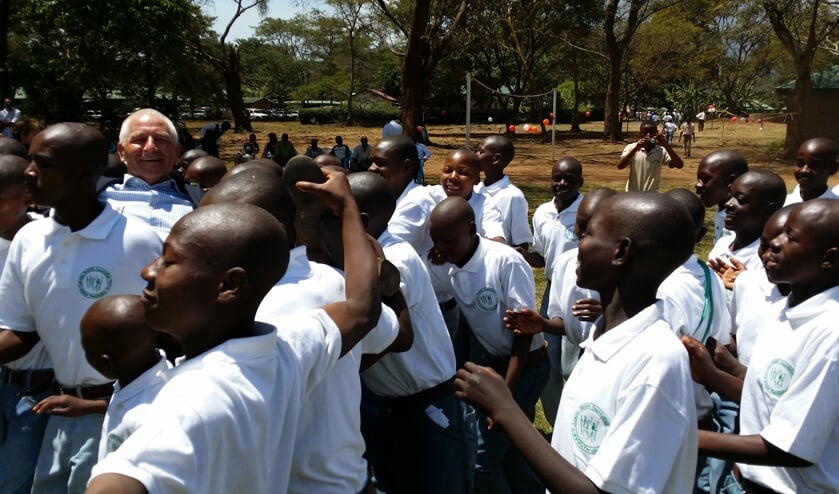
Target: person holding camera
{"x": 645, "y": 157}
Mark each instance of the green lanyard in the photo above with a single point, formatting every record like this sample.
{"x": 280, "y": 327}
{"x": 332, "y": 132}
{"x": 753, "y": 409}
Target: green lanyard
{"x": 708, "y": 309}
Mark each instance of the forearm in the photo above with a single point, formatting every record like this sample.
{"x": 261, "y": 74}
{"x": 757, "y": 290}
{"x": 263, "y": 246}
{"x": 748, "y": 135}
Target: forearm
{"x": 518, "y": 360}
{"x": 554, "y": 325}
{"x": 405, "y": 338}
{"x": 535, "y": 259}
{"x": 751, "y": 449}
{"x": 14, "y": 345}
{"x": 624, "y": 161}
{"x": 726, "y": 385}
{"x": 557, "y": 474}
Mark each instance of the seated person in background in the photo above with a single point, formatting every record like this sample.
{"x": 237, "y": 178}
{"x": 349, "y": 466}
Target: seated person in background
{"x": 249, "y": 151}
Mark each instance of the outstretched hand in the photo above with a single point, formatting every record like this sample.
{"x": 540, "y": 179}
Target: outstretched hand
{"x": 727, "y": 272}
{"x": 702, "y": 367}
{"x": 69, "y": 406}
{"x": 523, "y": 322}
{"x": 335, "y": 192}
{"x": 483, "y": 388}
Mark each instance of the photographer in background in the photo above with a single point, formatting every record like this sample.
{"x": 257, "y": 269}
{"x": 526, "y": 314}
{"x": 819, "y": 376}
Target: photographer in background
{"x": 645, "y": 158}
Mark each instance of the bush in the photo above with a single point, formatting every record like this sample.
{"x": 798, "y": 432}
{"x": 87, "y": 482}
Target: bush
{"x": 368, "y": 117}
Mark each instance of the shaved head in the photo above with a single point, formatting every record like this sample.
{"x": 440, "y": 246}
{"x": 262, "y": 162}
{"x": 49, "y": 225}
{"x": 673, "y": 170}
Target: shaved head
{"x": 691, "y": 203}
{"x": 12, "y": 167}
{"x": 205, "y": 171}
{"x": 588, "y": 205}
{"x": 374, "y": 198}
{"x": 13, "y": 146}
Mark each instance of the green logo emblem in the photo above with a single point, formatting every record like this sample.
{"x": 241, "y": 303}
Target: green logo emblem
{"x": 569, "y": 233}
{"x": 114, "y": 442}
{"x": 487, "y": 299}
{"x": 778, "y": 376}
{"x": 95, "y": 282}
{"x": 589, "y": 427}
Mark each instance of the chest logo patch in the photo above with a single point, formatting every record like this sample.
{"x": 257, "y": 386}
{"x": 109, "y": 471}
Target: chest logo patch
{"x": 95, "y": 282}
{"x": 569, "y": 233}
{"x": 487, "y": 299}
{"x": 589, "y": 427}
{"x": 778, "y": 377}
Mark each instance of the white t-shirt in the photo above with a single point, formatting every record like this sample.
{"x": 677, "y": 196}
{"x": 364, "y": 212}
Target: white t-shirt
{"x": 512, "y": 205}
{"x": 794, "y": 197}
{"x": 751, "y": 299}
{"x": 746, "y": 254}
{"x": 495, "y": 278}
{"x": 329, "y": 446}
{"x": 52, "y": 276}
{"x": 487, "y": 216}
{"x": 227, "y": 419}
{"x": 564, "y": 294}
{"x": 129, "y": 405}
{"x": 626, "y": 418}
{"x": 553, "y": 232}
{"x": 790, "y": 394}
{"x": 430, "y": 360}
{"x": 695, "y": 309}
{"x": 409, "y": 221}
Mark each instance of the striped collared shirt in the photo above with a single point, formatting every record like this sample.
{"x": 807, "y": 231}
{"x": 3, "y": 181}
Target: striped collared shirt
{"x": 160, "y": 205}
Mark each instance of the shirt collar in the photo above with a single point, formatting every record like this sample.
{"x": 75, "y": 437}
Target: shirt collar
{"x": 818, "y": 304}
{"x": 97, "y": 229}
{"x": 610, "y": 342}
{"x": 130, "y": 182}
{"x": 476, "y": 262}
{"x": 234, "y": 350}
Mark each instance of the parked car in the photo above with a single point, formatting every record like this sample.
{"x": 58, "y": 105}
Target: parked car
{"x": 257, "y": 114}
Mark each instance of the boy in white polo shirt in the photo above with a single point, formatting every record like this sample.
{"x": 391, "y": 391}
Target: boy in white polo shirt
{"x": 788, "y": 415}
{"x": 495, "y": 153}
{"x": 218, "y": 264}
{"x": 56, "y": 269}
{"x": 486, "y": 278}
{"x": 422, "y": 438}
{"x": 714, "y": 176}
{"x": 626, "y": 422}
{"x": 814, "y": 165}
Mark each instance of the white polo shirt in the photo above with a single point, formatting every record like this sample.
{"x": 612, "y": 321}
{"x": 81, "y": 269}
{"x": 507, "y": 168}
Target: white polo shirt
{"x": 513, "y": 207}
{"x": 53, "y": 275}
{"x": 751, "y": 299}
{"x": 430, "y": 360}
{"x": 129, "y": 405}
{"x": 626, "y": 418}
{"x": 794, "y": 197}
{"x": 790, "y": 394}
{"x": 409, "y": 221}
{"x": 553, "y": 232}
{"x": 227, "y": 419}
{"x": 564, "y": 294}
{"x": 747, "y": 254}
{"x": 329, "y": 446}
{"x": 495, "y": 278}
{"x": 487, "y": 216}
{"x": 37, "y": 358}
{"x": 719, "y": 224}
{"x": 697, "y": 310}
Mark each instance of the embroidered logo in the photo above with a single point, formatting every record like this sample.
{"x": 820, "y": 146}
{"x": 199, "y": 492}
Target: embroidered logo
{"x": 778, "y": 376}
{"x": 114, "y": 442}
{"x": 569, "y": 233}
{"x": 589, "y": 427}
{"x": 487, "y": 299}
{"x": 95, "y": 282}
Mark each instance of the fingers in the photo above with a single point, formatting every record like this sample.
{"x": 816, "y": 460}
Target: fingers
{"x": 739, "y": 266}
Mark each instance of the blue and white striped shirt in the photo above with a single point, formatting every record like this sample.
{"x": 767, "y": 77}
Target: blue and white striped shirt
{"x": 160, "y": 205}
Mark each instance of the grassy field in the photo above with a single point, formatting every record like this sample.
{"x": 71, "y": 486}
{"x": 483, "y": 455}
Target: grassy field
{"x": 530, "y": 171}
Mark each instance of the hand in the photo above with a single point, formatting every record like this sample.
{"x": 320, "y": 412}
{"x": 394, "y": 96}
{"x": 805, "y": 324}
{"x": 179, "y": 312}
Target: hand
{"x": 68, "y": 406}
{"x": 727, "y": 361}
{"x": 587, "y": 309}
{"x": 523, "y": 322}
{"x": 521, "y": 251}
{"x": 702, "y": 368}
{"x": 660, "y": 140}
{"x": 335, "y": 192}
{"x": 435, "y": 258}
{"x": 727, "y": 272}
{"x": 483, "y": 388}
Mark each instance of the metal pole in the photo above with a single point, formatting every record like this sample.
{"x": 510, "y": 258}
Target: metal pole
{"x": 468, "y": 106}
{"x": 553, "y": 130}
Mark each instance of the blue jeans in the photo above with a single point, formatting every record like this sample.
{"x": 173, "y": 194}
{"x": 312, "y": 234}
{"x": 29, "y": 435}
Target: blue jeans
{"x": 553, "y": 387}
{"x": 714, "y": 474}
{"x": 501, "y": 468}
{"x": 68, "y": 453}
{"x": 413, "y": 453}
{"x": 21, "y": 433}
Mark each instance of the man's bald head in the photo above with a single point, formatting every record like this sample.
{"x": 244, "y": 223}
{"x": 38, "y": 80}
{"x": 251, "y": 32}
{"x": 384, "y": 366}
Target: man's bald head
{"x": 205, "y": 171}
{"x": 374, "y": 198}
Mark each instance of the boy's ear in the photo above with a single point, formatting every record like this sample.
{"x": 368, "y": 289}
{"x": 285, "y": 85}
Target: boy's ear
{"x": 365, "y": 220}
{"x": 623, "y": 250}
{"x": 106, "y": 362}
{"x": 701, "y": 234}
{"x": 830, "y": 259}
{"x": 232, "y": 284}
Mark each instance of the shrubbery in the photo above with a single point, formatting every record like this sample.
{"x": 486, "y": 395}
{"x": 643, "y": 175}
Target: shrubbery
{"x": 365, "y": 116}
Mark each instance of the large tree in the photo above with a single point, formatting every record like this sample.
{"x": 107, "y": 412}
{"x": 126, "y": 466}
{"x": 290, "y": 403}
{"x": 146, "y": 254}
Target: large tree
{"x": 429, "y": 26}
{"x": 802, "y": 26}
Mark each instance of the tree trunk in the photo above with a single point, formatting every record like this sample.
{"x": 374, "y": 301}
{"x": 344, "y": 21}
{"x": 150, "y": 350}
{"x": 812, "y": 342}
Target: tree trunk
{"x": 575, "y": 71}
{"x": 5, "y": 82}
{"x": 233, "y": 84}
{"x": 352, "y": 79}
{"x": 798, "y": 106}
{"x": 612, "y": 124}
{"x": 413, "y": 68}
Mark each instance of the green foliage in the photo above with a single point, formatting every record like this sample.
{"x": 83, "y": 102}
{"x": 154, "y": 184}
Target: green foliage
{"x": 372, "y": 117}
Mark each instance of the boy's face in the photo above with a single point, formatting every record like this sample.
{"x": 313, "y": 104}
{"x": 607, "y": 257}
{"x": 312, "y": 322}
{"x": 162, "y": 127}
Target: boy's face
{"x": 51, "y": 175}
{"x": 486, "y": 154}
{"x": 773, "y": 228}
{"x": 596, "y": 251}
{"x": 711, "y": 184}
{"x": 794, "y": 256}
{"x": 452, "y": 241}
{"x": 745, "y": 208}
{"x": 13, "y": 202}
{"x": 180, "y": 288}
{"x": 458, "y": 176}
{"x": 386, "y": 163}
{"x": 812, "y": 171}
{"x": 565, "y": 182}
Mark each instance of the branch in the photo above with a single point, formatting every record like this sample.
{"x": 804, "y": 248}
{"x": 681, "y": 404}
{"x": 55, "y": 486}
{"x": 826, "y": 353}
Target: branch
{"x": 386, "y": 12}
{"x": 568, "y": 42}
{"x": 239, "y": 11}
{"x": 830, "y": 45}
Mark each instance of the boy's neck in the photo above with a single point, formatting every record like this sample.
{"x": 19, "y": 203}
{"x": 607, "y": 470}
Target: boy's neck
{"x": 802, "y": 291}
{"x": 136, "y": 371}
{"x": 78, "y": 214}
{"x": 623, "y": 303}
{"x": 562, "y": 206}
{"x": 812, "y": 194}
{"x": 742, "y": 239}
{"x": 492, "y": 177}
{"x": 468, "y": 258}
{"x": 221, "y": 333}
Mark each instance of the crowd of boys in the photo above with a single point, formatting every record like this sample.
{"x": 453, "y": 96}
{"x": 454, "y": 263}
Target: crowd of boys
{"x": 290, "y": 327}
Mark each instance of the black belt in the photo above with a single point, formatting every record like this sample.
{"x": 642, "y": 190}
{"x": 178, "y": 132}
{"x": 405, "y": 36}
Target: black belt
{"x": 501, "y": 363}
{"x": 33, "y": 381}
{"x": 402, "y": 405}
{"x": 748, "y": 486}
{"x": 97, "y": 392}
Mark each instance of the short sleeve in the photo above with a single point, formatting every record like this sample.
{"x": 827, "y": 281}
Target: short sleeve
{"x": 15, "y": 313}
{"x": 519, "y": 227}
{"x": 383, "y": 334}
{"x": 316, "y": 342}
